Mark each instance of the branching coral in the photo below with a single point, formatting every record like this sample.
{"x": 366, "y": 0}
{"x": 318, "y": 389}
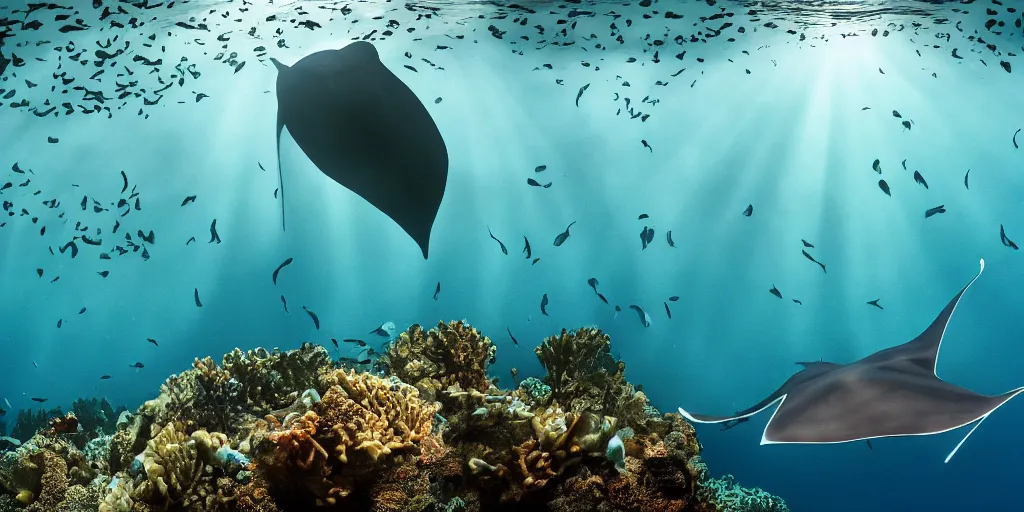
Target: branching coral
{"x": 451, "y": 354}
{"x": 172, "y": 466}
{"x": 584, "y": 376}
{"x": 729, "y": 496}
{"x": 96, "y": 415}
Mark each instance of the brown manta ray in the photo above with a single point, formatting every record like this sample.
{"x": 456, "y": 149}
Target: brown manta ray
{"x": 366, "y": 130}
{"x": 893, "y": 392}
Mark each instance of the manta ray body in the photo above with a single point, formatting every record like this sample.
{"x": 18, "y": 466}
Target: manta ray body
{"x": 893, "y": 392}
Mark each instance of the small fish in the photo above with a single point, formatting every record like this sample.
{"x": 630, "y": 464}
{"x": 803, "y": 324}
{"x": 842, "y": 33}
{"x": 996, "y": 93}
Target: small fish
{"x": 526, "y": 249}
{"x": 593, "y": 283}
{"x": 514, "y": 340}
{"x": 906, "y": 125}
{"x": 798, "y": 302}
{"x": 602, "y": 297}
{"x": 214, "y": 237}
{"x": 104, "y": 377}
{"x": 361, "y": 343}
{"x": 137, "y": 365}
{"x": 385, "y": 329}
{"x": 534, "y": 183}
{"x": 60, "y": 322}
{"x": 868, "y": 441}
{"x": 877, "y": 166}
{"x": 1015, "y": 146}
{"x": 644, "y": 235}
{"x": 540, "y": 168}
{"x": 896, "y": 115}
{"x": 820, "y": 264}
{"x": 749, "y": 211}
{"x": 667, "y": 310}
{"x": 920, "y": 179}
{"x": 335, "y": 342}
{"x": 284, "y": 302}
{"x": 645, "y": 319}
{"x": 40, "y": 400}
{"x": 932, "y": 211}
{"x": 81, "y": 311}
{"x": 865, "y": 108}
{"x": 643, "y": 216}
{"x": 35, "y": 364}
{"x": 668, "y": 238}
{"x": 437, "y": 290}
{"x": 535, "y": 260}
{"x": 190, "y": 240}
{"x": 515, "y": 373}
{"x": 885, "y": 187}
{"x": 312, "y": 316}
{"x": 904, "y": 165}
{"x": 580, "y": 93}
{"x": 674, "y": 298}
{"x": 807, "y": 244}
{"x": 967, "y": 175}
{"x": 564, "y": 235}
{"x": 195, "y": 295}
{"x": 875, "y": 303}
{"x": 124, "y": 178}
{"x": 188, "y": 199}
{"x": 544, "y": 305}
{"x": 284, "y": 264}
{"x": 1006, "y": 241}
{"x": 503, "y": 249}
{"x": 775, "y": 291}
{"x": 646, "y": 145}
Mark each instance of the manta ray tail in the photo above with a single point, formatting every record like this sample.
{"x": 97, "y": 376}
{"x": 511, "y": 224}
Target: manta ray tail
{"x": 280, "y": 126}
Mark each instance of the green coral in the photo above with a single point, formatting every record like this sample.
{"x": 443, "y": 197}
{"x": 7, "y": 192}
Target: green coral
{"x": 729, "y": 496}
{"x": 536, "y": 390}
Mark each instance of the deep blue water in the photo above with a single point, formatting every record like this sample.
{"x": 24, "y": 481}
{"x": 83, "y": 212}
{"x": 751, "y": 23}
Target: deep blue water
{"x": 789, "y": 137}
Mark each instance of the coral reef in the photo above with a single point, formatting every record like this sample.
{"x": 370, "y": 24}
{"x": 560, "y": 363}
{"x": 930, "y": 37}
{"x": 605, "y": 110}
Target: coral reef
{"x": 283, "y": 431}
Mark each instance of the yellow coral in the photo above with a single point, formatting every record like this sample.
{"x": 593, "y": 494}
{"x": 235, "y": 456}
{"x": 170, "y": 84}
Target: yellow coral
{"x": 171, "y": 464}
{"x": 452, "y": 353}
{"x": 54, "y": 483}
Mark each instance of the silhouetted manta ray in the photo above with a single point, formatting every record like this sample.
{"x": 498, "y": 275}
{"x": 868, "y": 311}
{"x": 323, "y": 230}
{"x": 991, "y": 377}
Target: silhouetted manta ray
{"x": 366, "y": 130}
{"x": 893, "y": 392}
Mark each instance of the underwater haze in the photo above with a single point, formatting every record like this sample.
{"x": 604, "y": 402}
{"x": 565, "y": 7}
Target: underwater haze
{"x": 774, "y": 144}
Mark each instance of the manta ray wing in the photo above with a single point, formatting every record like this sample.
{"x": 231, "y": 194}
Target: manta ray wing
{"x": 366, "y": 130}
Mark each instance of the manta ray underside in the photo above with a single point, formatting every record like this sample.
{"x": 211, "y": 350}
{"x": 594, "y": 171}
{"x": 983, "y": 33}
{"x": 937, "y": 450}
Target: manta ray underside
{"x": 366, "y": 130}
{"x": 893, "y": 392}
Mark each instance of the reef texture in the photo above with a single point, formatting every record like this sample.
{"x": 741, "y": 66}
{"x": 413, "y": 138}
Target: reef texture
{"x": 273, "y": 431}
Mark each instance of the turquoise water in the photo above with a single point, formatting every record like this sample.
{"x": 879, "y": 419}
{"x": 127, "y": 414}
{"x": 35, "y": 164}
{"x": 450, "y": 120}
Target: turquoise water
{"x": 790, "y": 138}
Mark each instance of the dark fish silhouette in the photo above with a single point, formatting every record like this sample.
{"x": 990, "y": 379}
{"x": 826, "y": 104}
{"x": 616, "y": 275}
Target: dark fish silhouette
{"x": 877, "y": 166}
{"x": 367, "y": 131}
{"x": 885, "y": 187}
{"x": 284, "y": 302}
{"x": 358, "y": 342}
{"x": 503, "y": 249}
{"x": 382, "y": 329}
{"x": 593, "y": 283}
{"x": 137, "y": 365}
{"x": 124, "y": 180}
{"x": 540, "y": 168}
{"x": 602, "y": 297}
{"x": 645, "y": 320}
{"x": 906, "y": 125}
{"x": 81, "y": 311}
{"x": 526, "y": 248}
{"x": 967, "y": 175}
{"x": 534, "y": 183}
{"x": 544, "y": 305}
{"x": 667, "y": 310}
{"x": 820, "y": 264}
{"x": 644, "y": 236}
{"x": 564, "y": 235}
{"x": 190, "y": 240}
{"x": 40, "y": 400}
{"x": 904, "y": 163}
{"x": 673, "y": 298}
{"x": 195, "y": 294}
{"x": 775, "y": 291}
{"x": 580, "y": 93}
{"x": 920, "y": 179}
{"x": 807, "y": 244}
{"x": 646, "y": 145}
{"x": 1006, "y": 241}
{"x": 932, "y": 211}
{"x": 749, "y": 211}
{"x": 437, "y": 290}
{"x": 643, "y": 216}
{"x": 151, "y": 340}
{"x": 875, "y": 303}
{"x": 188, "y": 199}
{"x": 277, "y": 270}
{"x": 896, "y": 115}
{"x": 514, "y": 340}
{"x": 313, "y": 317}
{"x": 668, "y": 238}
{"x": 104, "y": 377}
{"x": 893, "y": 392}
{"x": 1015, "y": 146}
{"x": 214, "y": 237}
{"x": 798, "y": 302}
{"x": 334, "y": 342}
